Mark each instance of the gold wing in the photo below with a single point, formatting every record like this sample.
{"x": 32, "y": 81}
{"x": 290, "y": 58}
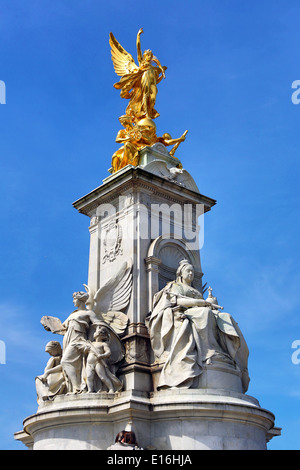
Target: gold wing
{"x": 123, "y": 62}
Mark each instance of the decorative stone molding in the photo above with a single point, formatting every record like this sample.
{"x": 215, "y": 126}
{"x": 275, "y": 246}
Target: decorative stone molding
{"x": 112, "y": 242}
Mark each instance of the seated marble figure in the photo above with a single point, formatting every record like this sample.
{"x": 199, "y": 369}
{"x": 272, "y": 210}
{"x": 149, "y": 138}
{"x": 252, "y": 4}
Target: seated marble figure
{"x": 188, "y": 332}
{"x": 52, "y": 381}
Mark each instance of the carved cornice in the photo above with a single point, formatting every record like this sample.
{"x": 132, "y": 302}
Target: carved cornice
{"x": 137, "y": 180}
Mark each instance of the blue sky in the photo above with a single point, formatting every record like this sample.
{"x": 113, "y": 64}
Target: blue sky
{"x": 231, "y": 65}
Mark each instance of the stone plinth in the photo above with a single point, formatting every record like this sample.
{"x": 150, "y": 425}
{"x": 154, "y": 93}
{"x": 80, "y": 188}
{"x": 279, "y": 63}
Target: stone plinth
{"x": 218, "y": 375}
{"x": 166, "y": 420}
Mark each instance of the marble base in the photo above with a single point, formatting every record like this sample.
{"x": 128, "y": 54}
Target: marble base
{"x": 218, "y": 375}
{"x": 165, "y": 420}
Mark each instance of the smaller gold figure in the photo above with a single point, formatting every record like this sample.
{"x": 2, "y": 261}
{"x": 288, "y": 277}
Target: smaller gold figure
{"x": 166, "y": 139}
{"x": 135, "y": 137}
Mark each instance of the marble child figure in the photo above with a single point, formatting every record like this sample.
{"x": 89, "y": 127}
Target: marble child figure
{"x": 97, "y": 363}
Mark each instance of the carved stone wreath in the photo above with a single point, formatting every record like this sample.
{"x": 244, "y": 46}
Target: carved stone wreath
{"x": 112, "y": 242}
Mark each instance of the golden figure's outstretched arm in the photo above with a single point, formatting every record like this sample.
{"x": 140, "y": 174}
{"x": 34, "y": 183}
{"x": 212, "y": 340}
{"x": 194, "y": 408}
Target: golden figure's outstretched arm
{"x": 138, "y": 46}
{"x": 162, "y": 69}
{"x": 169, "y": 141}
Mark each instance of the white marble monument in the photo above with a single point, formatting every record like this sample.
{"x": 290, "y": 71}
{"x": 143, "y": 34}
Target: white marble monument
{"x": 169, "y": 361}
{"x": 143, "y": 346}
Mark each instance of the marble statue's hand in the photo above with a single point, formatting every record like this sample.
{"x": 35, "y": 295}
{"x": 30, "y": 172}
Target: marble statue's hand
{"x": 44, "y": 377}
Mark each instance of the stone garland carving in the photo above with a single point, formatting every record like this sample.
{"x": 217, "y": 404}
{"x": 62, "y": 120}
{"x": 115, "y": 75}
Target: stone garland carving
{"x": 136, "y": 351}
{"x": 187, "y": 332}
{"x": 92, "y": 347}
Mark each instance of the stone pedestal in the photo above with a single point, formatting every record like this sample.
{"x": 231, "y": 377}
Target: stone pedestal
{"x": 165, "y": 420}
{"x": 215, "y": 376}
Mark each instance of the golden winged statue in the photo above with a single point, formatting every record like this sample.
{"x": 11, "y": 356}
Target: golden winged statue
{"x": 137, "y": 83}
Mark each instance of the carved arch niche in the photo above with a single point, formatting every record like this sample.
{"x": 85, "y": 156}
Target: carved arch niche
{"x": 164, "y": 255}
